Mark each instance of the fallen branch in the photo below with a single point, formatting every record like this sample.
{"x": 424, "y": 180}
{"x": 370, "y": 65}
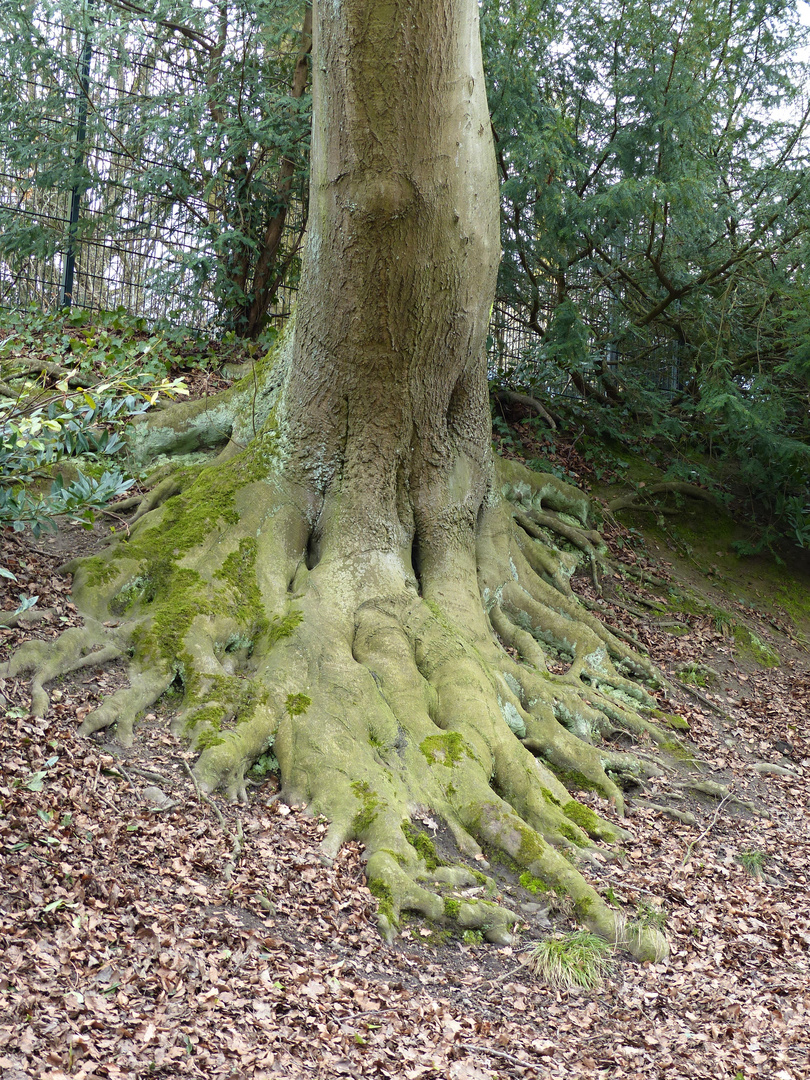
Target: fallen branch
{"x": 707, "y": 830}
{"x": 56, "y": 371}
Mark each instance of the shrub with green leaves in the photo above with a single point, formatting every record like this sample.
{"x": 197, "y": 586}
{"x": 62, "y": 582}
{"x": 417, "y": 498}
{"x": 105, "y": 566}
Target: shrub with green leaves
{"x": 656, "y": 234}
{"x": 68, "y": 388}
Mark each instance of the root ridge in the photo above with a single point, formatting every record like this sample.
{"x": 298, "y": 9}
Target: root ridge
{"x": 381, "y": 705}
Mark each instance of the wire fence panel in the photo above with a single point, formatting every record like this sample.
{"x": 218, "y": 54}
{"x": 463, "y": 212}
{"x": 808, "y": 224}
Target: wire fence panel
{"x": 519, "y": 352}
{"x": 147, "y": 233}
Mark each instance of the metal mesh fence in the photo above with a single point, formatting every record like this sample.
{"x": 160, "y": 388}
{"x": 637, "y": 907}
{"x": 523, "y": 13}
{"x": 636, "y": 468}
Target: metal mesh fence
{"x": 143, "y": 247}
{"x": 517, "y": 354}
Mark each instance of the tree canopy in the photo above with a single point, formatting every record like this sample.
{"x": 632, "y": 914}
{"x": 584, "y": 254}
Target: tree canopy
{"x": 656, "y": 215}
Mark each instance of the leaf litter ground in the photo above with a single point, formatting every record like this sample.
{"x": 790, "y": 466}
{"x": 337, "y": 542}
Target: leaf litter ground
{"x": 146, "y": 931}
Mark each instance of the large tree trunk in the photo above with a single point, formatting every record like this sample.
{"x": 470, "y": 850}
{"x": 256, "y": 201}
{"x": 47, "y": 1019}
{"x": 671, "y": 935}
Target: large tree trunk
{"x": 355, "y": 583}
{"x": 387, "y": 399}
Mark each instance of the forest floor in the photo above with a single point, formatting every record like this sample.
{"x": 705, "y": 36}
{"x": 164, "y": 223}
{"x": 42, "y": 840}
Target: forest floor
{"x": 148, "y": 931}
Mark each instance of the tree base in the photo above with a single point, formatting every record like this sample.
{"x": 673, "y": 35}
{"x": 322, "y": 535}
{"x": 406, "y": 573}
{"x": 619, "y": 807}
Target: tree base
{"x": 385, "y": 696}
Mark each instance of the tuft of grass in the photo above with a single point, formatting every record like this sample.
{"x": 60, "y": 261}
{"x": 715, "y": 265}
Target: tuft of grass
{"x": 576, "y": 959}
{"x": 752, "y": 861}
{"x": 648, "y": 915}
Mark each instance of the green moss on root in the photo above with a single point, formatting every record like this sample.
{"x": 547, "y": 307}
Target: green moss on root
{"x": 572, "y": 833}
{"x": 209, "y": 716}
{"x": 582, "y": 907}
{"x": 676, "y": 749}
{"x": 532, "y": 884}
{"x": 297, "y": 704}
{"x": 385, "y": 900}
{"x": 571, "y": 778}
{"x": 672, "y": 720}
{"x": 532, "y": 848}
{"x": 452, "y": 908}
{"x": 239, "y": 572}
{"x": 582, "y": 816}
{"x": 370, "y": 802}
{"x": 283, "y": 626}
{"x": 99, "y": 571}
{"x": 422, "y": 844}
{"x": 206, "y": 739}
{"x": 446, "y": 749}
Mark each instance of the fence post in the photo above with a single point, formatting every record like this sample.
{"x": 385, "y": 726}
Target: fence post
{"x": 66, "y": 292}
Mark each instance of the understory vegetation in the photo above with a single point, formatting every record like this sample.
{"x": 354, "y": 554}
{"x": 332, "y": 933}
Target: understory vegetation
{"x": 69, "y": 387}
{"x": 654, "y": 189}
{"x": 580, "y": 701}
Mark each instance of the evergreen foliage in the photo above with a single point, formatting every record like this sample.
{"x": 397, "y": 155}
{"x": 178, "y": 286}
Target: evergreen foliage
{"x": 654, "y": 170}
{"x": 64, "y": 411}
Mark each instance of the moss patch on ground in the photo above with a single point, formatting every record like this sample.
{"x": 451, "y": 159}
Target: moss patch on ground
{"x": 748, "y": 644}
{"x": 700, "y": 539}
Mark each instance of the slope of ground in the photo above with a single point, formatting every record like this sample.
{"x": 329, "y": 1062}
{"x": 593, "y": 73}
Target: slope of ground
{"x": 147, "y": 930}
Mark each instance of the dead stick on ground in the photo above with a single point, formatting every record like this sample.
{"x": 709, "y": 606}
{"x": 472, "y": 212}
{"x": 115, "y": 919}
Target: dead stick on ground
{"x": 118, "y": 768}
{"x": 502, "y": 1054}
{"x": 507, "y": 974}
{"x": 706, "y": 831}
{"x": 201, "y": 796}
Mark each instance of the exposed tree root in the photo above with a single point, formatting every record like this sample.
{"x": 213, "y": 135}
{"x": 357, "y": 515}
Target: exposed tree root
{"x": 639, "y": 500}
{"x": 384, "y": 695}
{"x": 506, "y": 398}
{"x": 29, "y": 617}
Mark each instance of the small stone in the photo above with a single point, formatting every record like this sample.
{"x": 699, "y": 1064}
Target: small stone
{"x": 534, "y": 909}
{"x": 154, "y": 795}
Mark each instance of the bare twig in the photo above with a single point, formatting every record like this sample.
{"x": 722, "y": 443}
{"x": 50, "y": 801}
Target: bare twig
{"x": 123, "y": 774}
{"x": 202, "y": 797}
{"x": 507, "y": 974}
{"x": 501, "y": 1054}
{"x": 726, "y": 798}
